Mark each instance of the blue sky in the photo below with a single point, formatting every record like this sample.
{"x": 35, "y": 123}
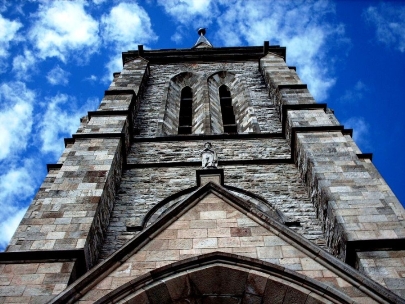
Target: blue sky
{"x": 57, "y": 58}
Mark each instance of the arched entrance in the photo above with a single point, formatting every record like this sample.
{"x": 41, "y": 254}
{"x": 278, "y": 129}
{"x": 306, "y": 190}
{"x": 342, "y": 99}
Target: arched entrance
{"x": 223, "y": 278}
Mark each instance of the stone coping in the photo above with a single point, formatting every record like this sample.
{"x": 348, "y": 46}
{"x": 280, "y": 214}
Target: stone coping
{"x": 206, "y": 54}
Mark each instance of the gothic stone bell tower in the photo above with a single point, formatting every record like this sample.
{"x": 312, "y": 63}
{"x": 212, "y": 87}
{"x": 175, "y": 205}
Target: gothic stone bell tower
{"x": 209, "y": 175}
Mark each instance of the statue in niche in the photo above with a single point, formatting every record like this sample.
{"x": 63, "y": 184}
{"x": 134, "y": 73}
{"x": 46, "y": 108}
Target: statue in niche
{"x": 209, "y": 157}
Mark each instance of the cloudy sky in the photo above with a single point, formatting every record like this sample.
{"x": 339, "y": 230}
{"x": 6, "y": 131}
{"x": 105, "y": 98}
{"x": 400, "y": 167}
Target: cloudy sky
{"x": 57, "y": 58}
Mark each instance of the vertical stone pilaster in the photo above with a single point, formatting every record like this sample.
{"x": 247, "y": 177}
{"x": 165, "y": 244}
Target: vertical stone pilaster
{"x": 357, "y": 209}
{"x": 70, "y": 214}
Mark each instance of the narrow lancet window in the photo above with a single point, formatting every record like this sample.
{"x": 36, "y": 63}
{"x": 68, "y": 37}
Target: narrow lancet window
{"x": 228, "y": 117}
{"x": 186, "y": 111}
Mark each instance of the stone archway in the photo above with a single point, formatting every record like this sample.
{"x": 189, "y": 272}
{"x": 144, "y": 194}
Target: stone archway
{"x": 171, "y": 108}
{"x": 246, "y": 119}
{"x": 223, "y": 278}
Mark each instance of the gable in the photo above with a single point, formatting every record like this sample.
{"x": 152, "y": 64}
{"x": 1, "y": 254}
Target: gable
{"x": 213, "y": 221}
{"x": 214, "y": 225}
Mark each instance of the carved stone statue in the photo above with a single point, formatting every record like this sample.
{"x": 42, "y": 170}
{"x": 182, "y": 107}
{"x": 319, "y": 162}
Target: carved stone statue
{"x": 209, "y": 157}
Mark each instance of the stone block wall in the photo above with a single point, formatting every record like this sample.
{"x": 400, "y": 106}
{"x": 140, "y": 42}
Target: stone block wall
{"x": 64, "y": 207}
{"x": 245, "y": 117}
{"x": 132, "y": 77}
{"x": 386, "y": 267}
{"x": 115, "y": 175}
{"x": 226, "y": 149}
{"x": 353, "y": 202}
{"x": 33, "y": 282}
{"x": 71, "y": 211}
{"x": 284, "y": 89}
{"x": 142, "y": 189}
{"x": 213, "y": 225}
{"x": 150, "y": 120}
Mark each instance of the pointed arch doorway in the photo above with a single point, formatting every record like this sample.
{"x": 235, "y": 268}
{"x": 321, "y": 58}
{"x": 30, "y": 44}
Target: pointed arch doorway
{"x": 226, "y": 279}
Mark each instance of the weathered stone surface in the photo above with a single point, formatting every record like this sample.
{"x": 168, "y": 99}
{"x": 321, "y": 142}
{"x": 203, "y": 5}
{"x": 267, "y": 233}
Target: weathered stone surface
{"x": 212, "y": 209}
{"x": 384, "y": 267}
{"x": 91, "y": 201}
{"x": 33, "y": 282}
{"x": 229, "y": 149}
{"x": 151, "y": 115}
{"x": 142, "y": 189}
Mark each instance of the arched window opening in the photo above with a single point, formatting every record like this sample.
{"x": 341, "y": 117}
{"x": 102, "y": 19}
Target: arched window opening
{"x": 228, "y": 117}
{"x": 186, "y": 111}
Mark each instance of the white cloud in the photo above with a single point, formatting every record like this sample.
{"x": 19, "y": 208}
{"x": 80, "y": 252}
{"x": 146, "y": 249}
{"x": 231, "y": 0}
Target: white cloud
{"x": 23, "y": 64}
{"x": 11, "y": 6}
{"x": 389, "y": 21}
{"x": 9, "y": 223}
{"x": 60, "y": 119}
{"x": 8, "y": 32}
{"x": 16, "y": 106}
{"x": 304, "y": 27}
{"x": 300, "y": 26}
{"x": 126, "y": 26}
{"x": 113, "y": 65}
{"x": 58, "y": 76}
{"x": 63, "y": 27}
{"x": 360, "y": 130}
{"x": 177, "y": 37}
{"x": 198, "y": 13}
{"x": 91, "y": 78}
{"x": 356, "y": 93}
{"x": 18, "y": 182}
{"x": 4, "y": 5}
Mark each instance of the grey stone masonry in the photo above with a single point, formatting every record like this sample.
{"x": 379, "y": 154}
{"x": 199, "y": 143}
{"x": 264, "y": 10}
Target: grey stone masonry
{"x": 142, "y": 189}
{"x": 151, "y": 117}
{"x": 132, "y": 76}
{"x": 245, "y": 116}
{"x": 227, "y": 150}
{"x": 65, "y": 206}
{"x": 126, "y": 170}
{"x": 33, "y": 282}
{"x": 385, "y": 267}
{"x": 352, "y": 200}
{"x": 71, "y": 210}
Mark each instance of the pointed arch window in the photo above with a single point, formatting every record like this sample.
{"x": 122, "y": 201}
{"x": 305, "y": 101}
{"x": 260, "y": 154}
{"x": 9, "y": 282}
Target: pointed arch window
{"x": 228, "y": 116}
{"x": 186, "y": 111}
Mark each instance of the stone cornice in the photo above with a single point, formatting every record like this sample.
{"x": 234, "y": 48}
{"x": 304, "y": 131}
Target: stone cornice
{"x": 206, "y": 54}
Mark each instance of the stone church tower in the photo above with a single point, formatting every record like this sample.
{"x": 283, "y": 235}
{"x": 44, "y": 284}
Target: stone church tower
{"x": 209, "y": 175}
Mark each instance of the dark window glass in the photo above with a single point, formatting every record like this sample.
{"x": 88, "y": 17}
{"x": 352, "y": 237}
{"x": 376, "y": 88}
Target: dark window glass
{"x": 228, "y": 117}
{"x": 186, "y": 111}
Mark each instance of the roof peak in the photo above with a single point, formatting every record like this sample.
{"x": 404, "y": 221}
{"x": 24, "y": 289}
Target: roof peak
{"x": 202, "y": 42}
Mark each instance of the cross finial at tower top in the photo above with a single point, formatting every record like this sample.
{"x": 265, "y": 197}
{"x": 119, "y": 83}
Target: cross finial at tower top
{"x": 202, "y": 42}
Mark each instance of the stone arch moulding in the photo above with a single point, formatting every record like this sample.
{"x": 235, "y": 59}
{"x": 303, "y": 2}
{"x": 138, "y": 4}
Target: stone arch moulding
{"x": 246, "y": 119}
{"x": 169, "y": 122}
{"x": 164, "y": 206}
{"x": 220, "y": 277}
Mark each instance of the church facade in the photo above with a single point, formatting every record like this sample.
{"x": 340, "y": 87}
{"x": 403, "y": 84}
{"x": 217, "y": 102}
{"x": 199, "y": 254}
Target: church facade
{"x": 209, "y": 175}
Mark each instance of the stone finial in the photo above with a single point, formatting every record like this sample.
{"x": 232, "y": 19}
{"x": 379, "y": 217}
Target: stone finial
{"x": 201, "y": 31}
{"x": 202, "y": 42}
{"x": 209, "y": 157}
